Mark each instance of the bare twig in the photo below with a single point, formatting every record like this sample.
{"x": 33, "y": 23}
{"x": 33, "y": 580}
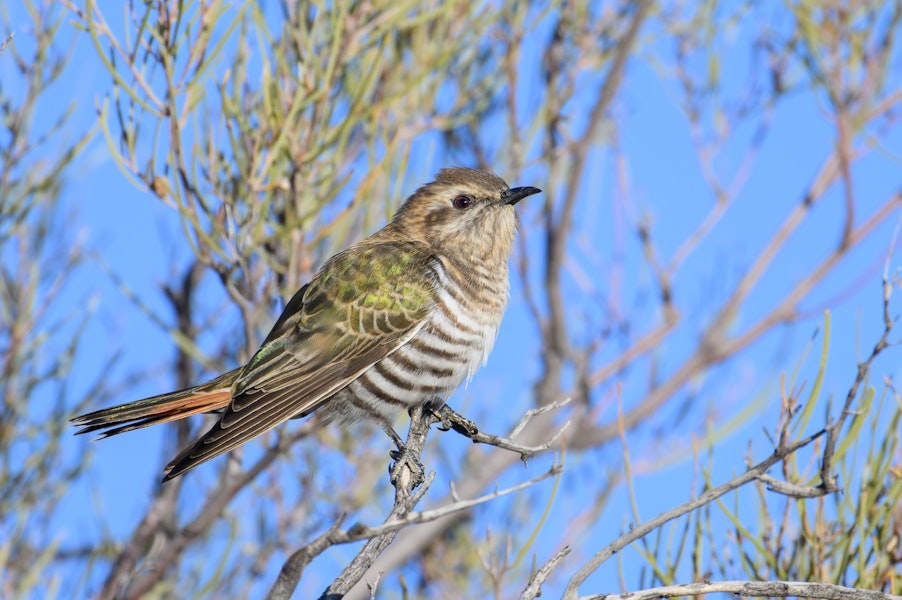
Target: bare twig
{"x": 754, "y": 589}
{"x": 7, "y": 42}
{"x": 534, "y": 412}
{"x": 828, "y": 480}
{"x": 794, "y": 490}
{"x": 534, "y": 587}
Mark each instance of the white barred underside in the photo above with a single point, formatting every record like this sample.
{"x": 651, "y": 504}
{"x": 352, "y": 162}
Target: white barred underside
{"x": 454, "y": 342}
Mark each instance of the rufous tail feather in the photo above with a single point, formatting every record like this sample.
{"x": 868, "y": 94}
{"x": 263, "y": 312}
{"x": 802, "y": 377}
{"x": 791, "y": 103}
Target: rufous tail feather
{"x": 207, "y": 397}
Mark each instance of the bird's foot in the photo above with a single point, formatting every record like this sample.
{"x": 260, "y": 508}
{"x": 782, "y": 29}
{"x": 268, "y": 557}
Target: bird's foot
{"x": 452, "y": 420}
{"x": 406, "y": 470}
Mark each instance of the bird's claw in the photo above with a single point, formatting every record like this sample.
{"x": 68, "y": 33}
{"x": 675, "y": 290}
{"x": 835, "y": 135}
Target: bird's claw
{"x": 446, "y": 424}
{"x": 451, "y": 420}
{"x": 406, "y": 467}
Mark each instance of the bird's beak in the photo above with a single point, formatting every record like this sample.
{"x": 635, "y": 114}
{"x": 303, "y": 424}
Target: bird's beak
{"x": 513, "y": 195}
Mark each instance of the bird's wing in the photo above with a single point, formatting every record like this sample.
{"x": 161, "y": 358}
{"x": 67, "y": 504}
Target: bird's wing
{"x": 364, "y": 304}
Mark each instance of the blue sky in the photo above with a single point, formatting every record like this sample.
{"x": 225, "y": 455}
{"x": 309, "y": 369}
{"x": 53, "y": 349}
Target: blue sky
{"x": 139, "y": 240}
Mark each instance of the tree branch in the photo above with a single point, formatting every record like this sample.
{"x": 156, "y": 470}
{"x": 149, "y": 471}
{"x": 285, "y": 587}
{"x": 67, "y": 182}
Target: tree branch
{"x": 755, "y": 589}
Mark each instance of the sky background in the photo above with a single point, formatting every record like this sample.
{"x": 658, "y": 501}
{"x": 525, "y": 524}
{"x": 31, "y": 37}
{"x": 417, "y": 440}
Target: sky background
{"x": 133, "y": 236}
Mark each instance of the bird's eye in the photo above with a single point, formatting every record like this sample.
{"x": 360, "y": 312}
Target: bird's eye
{"x": 462, "y": 202}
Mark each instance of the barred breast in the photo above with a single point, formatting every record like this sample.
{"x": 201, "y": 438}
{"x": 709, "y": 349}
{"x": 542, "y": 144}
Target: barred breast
{"x": 453, "y": 343}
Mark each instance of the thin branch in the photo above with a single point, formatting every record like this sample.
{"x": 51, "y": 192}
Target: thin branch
{"x": 7, "y": 42}
{"x": 827, "y": 477}
{"x": 793, "y": 490}
{"x": 534, "y": 412}
{"x": 755, "y": 589}
{"x": 534, "y": 587}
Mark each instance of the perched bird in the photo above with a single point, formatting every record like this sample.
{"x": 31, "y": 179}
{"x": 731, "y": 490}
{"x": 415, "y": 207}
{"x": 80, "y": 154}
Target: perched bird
{"x": 395, "y": 321}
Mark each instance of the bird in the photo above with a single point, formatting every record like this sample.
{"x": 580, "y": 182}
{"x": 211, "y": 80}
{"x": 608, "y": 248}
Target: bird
{"x": 396, "y": 321}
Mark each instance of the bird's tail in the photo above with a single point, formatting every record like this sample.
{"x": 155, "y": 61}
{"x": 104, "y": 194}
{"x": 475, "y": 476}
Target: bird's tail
{"x": 204, "y": 398}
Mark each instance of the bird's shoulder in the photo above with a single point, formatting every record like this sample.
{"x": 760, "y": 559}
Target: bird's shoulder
{"x": 387, "y": 275}
{"x": 375, "y": 275}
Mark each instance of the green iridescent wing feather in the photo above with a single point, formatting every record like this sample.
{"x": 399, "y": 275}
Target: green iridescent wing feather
{"x": 364, "y": 304}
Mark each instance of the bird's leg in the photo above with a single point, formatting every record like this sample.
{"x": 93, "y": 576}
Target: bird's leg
{"x": 403, "y": 458}
{"x": 390, "y": 431}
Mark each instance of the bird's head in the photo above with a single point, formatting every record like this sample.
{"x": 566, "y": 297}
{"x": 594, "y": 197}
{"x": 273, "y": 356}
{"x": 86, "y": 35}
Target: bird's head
{"x": 464, "y": 211}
